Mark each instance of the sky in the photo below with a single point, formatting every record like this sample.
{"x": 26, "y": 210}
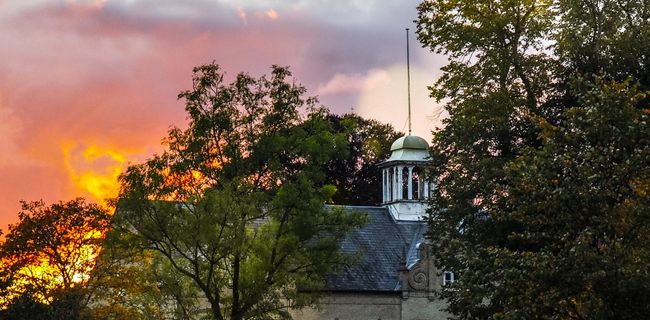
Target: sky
{"x": 89, "y": 86}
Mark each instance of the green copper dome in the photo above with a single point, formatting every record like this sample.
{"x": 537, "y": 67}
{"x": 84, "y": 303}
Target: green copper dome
{"x": 410, "y": 142}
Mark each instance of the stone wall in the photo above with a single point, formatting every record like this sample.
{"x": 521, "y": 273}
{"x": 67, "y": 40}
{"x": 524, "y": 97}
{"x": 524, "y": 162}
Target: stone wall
{"x": 375, "y": 306}
{"x": 421, "y": 307}
{"x": 355, "y": 306}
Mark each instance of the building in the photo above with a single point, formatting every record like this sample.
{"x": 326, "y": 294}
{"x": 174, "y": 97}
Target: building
{"x": 395, "y": 277}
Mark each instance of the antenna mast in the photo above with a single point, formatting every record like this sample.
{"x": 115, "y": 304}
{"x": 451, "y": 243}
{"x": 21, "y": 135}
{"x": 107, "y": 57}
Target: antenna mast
{"x": 408, "y": 77}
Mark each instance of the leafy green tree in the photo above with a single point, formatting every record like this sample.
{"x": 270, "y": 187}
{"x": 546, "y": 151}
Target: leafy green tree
{"x": 608, "y": 38}
{"x": 354, "y": 173}
{"x": 49, "y": 255}
{"x": 127, "y": 285}
{"x": 582, "y": 207}
{"x": 495, "y": 79}
{"x": 530, "y": 87}
{"x": 236, "y": 202}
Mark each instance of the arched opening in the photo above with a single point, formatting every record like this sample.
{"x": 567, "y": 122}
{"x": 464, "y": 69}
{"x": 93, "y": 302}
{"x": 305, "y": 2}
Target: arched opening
{"x": 405, "y": 183}
{"x": 415, "y": 180}
{"x": 389, "y": 185}
{"x": 383, "y": 185}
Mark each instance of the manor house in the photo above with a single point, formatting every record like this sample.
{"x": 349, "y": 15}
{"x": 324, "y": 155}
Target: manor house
{"x": 395, "y": 277}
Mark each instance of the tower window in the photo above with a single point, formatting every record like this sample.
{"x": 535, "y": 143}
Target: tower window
{"x": 448, "y": 278}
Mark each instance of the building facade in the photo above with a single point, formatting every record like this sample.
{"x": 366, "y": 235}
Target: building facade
{"x": 394, "y": 277}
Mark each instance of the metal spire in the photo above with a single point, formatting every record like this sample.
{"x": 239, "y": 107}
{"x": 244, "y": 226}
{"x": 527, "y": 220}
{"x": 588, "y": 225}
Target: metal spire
{"x": 408, "y": 77}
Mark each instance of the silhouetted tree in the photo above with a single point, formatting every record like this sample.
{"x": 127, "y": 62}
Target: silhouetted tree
{"x": 51, "y": 249}
{"x": 355, "y": 173}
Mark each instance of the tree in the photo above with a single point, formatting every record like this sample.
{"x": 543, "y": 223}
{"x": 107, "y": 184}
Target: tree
{"x": 49, "y": 255}
{"x": 528, "y": 80}
{"x": 236, "y": 202}
{"x": 582, "y": 207}
{"x": 354, "y": 173}
{"x": 25, "y": 308}
{"x": 606, "y": 38}
{"x": 127, "y": 285}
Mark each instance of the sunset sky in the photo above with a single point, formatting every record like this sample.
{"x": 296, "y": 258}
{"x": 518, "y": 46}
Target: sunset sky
{"x": 87, "y": 87}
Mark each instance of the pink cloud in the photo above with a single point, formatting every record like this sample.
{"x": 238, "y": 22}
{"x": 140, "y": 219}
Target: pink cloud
{"x": 342, "y": 83}
{"x": 10, "y": 127}
{"x": 107, "y": 73}
{"x": 242, "y": 14}
{"x": 28, "y": 182}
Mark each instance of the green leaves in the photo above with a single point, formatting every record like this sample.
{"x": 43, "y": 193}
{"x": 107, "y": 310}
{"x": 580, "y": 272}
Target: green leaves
{"x": 353, "y": 170}
{"x": 542, "y": 163}
{"x": 235, "y": 205}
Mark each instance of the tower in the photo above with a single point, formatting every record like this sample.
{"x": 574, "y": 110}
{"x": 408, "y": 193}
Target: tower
{"x": 404, "y": 184}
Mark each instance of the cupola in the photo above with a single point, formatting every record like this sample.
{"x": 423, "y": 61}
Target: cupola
{"x": 404, "y": 185}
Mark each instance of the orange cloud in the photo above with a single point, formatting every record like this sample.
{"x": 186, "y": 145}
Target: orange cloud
{"x": 272, "y": 14}
{"x": 94, "y": 170}
{"x": 98, "y": 4}
{"x": 269, "y": 14}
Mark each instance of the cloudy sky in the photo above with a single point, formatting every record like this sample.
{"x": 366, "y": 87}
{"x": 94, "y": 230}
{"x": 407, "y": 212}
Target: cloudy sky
{"x": 87, "y": 86}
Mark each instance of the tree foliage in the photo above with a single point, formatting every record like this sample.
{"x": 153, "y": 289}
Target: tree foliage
{"x": 543, "y": 163}
{"x": 354, "y": 173}
{"x": 49, "y": 255}
{"x": 235, "y": 204}
{"x": 582, "y": 208}
{"x": 127, "y": 285}
{"x": 26, "y": 308}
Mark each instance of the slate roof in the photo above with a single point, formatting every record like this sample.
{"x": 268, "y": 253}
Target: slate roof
{"x": 381, "y": 246}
